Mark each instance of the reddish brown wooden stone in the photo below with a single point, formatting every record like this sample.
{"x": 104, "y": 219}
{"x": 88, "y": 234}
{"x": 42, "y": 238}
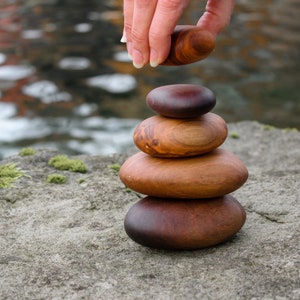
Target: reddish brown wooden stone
{"x": 181, "y": 100}
{"x": 167, "y": 137}
{"x": 180, "y": 224}
{"x": 210, "y": 175}
{"x": 189, "y": 44}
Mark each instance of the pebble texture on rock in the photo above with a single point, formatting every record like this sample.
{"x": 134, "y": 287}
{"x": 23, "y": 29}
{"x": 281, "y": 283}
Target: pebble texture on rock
{"x": 67, "y": 241}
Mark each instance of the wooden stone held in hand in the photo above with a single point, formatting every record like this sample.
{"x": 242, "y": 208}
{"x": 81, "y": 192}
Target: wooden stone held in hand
{"x": 189, "y": 44}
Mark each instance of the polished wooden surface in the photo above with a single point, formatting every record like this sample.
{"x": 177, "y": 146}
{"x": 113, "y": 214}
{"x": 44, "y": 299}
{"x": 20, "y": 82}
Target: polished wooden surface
{"x": 166, "y": 137}
{"x": 181, "y": 100}
{"x": 189, "y": 44}
{"x": 210, "y": 175}
{"x": 180, "y": 224}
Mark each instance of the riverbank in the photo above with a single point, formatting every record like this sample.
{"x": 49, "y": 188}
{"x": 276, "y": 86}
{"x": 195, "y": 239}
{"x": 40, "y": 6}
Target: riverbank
{"x": 66, "y": 241}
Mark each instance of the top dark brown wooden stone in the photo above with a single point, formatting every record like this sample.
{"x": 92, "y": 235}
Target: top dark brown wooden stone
{"x": 181, "y": 100}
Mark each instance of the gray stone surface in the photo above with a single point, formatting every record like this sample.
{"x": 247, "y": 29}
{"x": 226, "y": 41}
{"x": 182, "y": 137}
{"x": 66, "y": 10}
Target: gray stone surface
{"x": 67, "y": 241}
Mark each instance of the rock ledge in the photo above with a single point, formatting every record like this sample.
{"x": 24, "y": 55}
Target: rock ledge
{"x": 67, "y": 241}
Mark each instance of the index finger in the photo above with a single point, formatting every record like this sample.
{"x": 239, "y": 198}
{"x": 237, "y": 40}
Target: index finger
{"x": 128, "y": 15}
{"x": 165, "y": 18}
{"x": 142, "y": 18}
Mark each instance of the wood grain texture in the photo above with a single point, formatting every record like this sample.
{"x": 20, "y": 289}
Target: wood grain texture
{"x": 176, "y": 224}
{"x": 181, "y": 100}
{"x": 166, "y": 137}
{"x": 189, "y": 44}
{"x": 210, "y": 175}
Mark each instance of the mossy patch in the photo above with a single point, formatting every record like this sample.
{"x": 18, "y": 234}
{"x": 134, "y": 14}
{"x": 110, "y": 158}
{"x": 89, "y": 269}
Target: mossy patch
{"x": 115, "y": 167}
{"x": 64, "y": 163}
{"x": 233, "y": 135}
{"x": 56, "y": 178}
{"x": 9, "y": 173}
{"x": 290, "y": 130}
{"x": 27, "y": 151}
{"x": 268, "y": 127}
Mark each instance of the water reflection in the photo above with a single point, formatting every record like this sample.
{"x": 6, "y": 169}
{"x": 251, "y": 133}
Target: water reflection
{"x": 62, "y": 69}
{"x": 46, "y": 91}
{"x": 15, "y": 72}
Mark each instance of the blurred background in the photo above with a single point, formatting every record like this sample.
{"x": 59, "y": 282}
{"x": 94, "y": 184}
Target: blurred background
{"x": 66, "y": 81}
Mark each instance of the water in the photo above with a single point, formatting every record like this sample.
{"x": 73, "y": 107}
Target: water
{"x": 66, "y": 81}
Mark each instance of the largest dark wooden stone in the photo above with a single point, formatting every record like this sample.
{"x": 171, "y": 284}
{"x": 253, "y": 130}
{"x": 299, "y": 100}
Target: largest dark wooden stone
{"x": 181, "y": 224}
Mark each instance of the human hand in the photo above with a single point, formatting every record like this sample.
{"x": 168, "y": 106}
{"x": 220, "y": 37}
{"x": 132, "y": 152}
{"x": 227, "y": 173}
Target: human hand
{"x": 148, "y": 26}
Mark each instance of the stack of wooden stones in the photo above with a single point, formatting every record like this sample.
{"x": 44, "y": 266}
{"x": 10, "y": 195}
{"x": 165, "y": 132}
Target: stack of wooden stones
{"x": 185, "y": 174}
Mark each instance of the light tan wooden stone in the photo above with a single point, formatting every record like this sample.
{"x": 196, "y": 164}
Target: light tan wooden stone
{"x": 166, "y": 137}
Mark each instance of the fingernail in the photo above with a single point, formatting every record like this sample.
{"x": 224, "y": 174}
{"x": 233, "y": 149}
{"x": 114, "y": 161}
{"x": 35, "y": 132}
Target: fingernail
{"x": 129, "y": 49}
{"x": 137, "y": 65}
{"x": 153, "y": 64}
{"x": 153, "y": 58}
{"x": 138, "y": 59}
{"x": 123, "y": 39}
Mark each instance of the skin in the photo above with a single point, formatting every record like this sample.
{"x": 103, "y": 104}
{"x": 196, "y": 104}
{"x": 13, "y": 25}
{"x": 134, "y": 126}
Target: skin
{"x": 148, "y": 25}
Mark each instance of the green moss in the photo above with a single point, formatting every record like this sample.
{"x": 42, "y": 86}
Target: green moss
{"x": 234, "y": 135}
{"x": 27, "y": 152}
{"x": 63, "y": 162}
{"x": 81, "y": 180}
{"x": 290, "y": 130}
{"x": 115, "y": 167}
{"x": 56, "y": 178}
{"x": 9, "y": 173}
{"x": 268, "y": 127}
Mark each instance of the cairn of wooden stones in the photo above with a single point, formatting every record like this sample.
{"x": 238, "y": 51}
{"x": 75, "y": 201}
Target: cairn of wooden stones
{"x": 184, "y": 172}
